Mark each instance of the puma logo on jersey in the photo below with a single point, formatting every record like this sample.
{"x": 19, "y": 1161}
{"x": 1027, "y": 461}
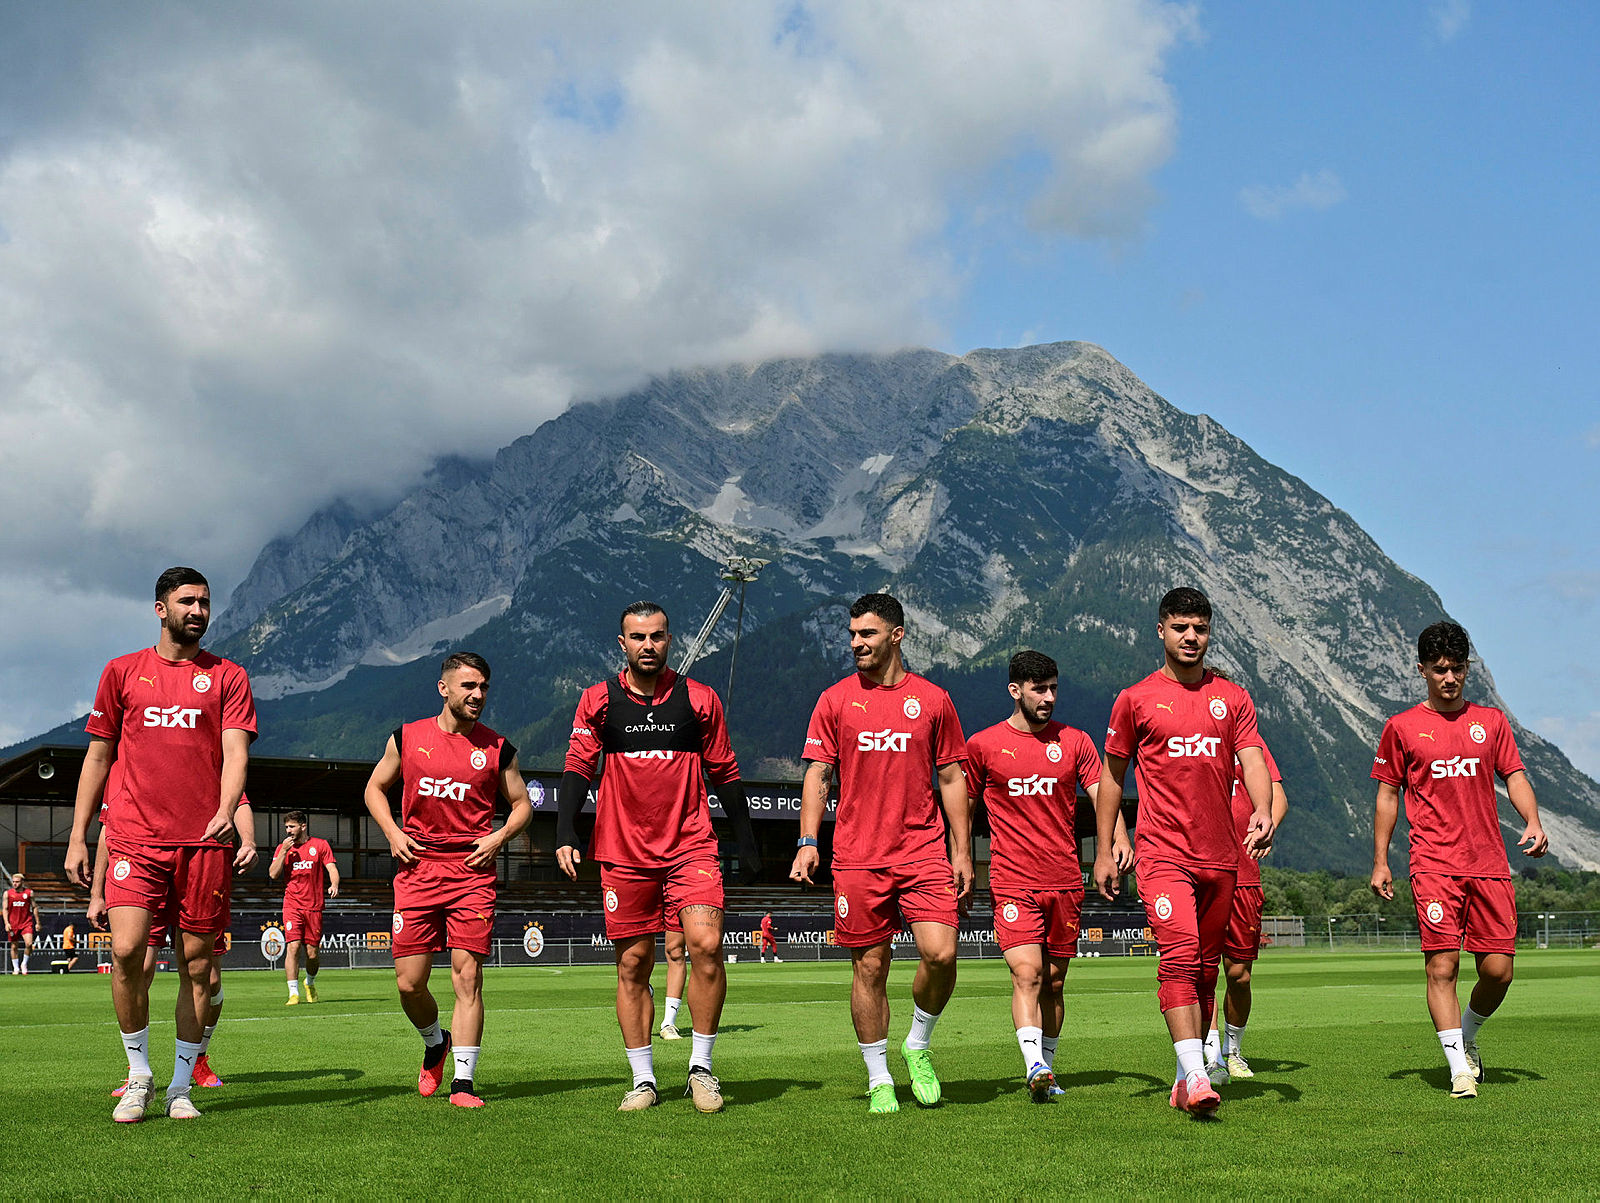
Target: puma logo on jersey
{"x": 1456, "y": 766}
{"x": 442, "y": 787}
{"x": 171, "y": 716}
{"x": 862, "y": 706}
{"x": 1164, "y": 706}
{"x": 882, "y": 741}
{"x": 650, "y": 754}
{"x": 1193, "y": 745}
{"x": 1426, "y": 735}
{"x": 148, "y": 680}
{"x": 1025, "y": 787}
{"x": 428, "y": 752}
{"x": 1008, "y": 752}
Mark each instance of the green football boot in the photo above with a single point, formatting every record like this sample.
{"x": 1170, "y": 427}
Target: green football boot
{"x": 924, "y": 1082}
{"x": 881, "y": 1100}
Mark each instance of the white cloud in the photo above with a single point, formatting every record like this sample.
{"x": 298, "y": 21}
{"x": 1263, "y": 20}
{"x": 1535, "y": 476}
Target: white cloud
{"x": 255, "y": 256}
{"x": 1312, "y": 190}
{"x": 1578, "y": 737}
{"x": 1449, "y": 18}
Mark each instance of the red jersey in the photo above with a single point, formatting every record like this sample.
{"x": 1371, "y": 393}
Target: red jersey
{"x": 652, "y": 809}
{"x": 166, "y": 718}
{"x": 1446, "y": 764}
{"x": 1243, "y": 812}
{"x": 19, "y": 907}
{"x": 1182, "y": 740}
{"x": 449, "y": 784}
{"x": 306, "y": 887}
{"x": 887, "y": 740}
{"x": 1029, "y": 786}
{"x": 766, "y": 927}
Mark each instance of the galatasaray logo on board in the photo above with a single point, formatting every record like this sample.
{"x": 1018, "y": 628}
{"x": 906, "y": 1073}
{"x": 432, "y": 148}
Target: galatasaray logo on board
{"x": 1009, "y": 912}
{"x": 1477, "y": 733}
{"x": 399, "y": 922}
{"x": 202, "y": 682}
{"x": 611, "y": 900}
{"x": 122, "y": 870}
{"x": 479, "y": 758}
{"x": 533, "y": 939}
{"x": 843, "y": 907}
{"x": 912, "y": 706}
{"x": 1435, "y": 911}
{"x": 1163, "y": 907}
{"x": 1052, "y": 753}
{"x": 1218, "y": 707}
{"x": 272, "y": 942}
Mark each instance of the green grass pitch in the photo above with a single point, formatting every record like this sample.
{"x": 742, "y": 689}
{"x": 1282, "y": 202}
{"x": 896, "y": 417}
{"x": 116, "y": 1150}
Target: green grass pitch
{"x": 321, "y": 1100}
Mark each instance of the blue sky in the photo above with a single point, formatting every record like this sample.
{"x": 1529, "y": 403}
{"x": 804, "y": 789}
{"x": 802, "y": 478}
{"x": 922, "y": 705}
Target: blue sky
{"x": 252, "y": 258}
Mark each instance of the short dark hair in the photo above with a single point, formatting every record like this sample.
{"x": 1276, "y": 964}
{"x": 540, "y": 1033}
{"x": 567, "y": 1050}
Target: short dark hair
{"x": 177, "y": 578}
{"x": 297, "y": 816}
{"x": 881, "y": 604}
{"x": 464, "y": 660}
{"x": 1444, "y": 641}
{"x": 1030, "y": 665}
{"x": 642, "y": 609}
{"x": 1186, "y": 601}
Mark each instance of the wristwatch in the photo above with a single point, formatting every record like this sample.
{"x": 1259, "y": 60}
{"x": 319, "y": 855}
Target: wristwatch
{"x": 807, "y": 841}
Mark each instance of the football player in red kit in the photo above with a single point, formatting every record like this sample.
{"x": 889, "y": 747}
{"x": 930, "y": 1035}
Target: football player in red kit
{"x": 1444, "y": 755}
{"x": 451, "y": 769}
{"x": 22, "y": 921}
{"x": 313, "y": 878}
{"x": 1183, "y": 726}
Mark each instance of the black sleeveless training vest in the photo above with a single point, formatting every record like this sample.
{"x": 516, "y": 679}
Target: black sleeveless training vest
{"x": 670, "y": 725}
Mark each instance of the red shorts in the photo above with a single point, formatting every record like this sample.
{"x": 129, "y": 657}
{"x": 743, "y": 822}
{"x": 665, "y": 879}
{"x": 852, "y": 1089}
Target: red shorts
{"x": 20, "y": 930}
{"x": 1188, "y": 907}
{"x": 1477, "y": 913}
{"x": 642, "y": 902}
{"x": 1047, "y": 917}
{"x": 869, "y": 904}
{"x": 303, "y": 925}
{"x": 188, "y": 886}
{"x": 768, "y": 943}
{"x": 161, "y": 926}
{"x": 1243, "y": 939}
{"x": 441, "y": 904}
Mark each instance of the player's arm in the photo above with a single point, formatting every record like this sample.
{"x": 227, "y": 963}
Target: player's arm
{"x": 244, "y": 822}
{"x": 574, "y": 793}
{"x": 235, "y": 764}
{"x": 583, "y": 759}
{"x": 91, "y": 790}
{"x": 1107, "y": 813}
{"x": 1534, "y": 841}
{"x": 96, "y": 914}
{"x": 813, "y": 805}
{"x": 280, "y": 858}
{"x": 384, "y": 776}
{"x": 957, "y": 808}
{"x": 736, "y": 805}
{"x": 1121, "y": 845}
{"x": 332, "y": 866}
{"x": 1258, "y": 784}
{"x": 1386, "y": 813}
{"x": 1280, "y": 806}
{"x": 515, "y": 791}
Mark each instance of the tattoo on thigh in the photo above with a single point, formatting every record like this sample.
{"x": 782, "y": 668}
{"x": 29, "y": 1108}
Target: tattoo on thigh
{"x": 700, "y": 913}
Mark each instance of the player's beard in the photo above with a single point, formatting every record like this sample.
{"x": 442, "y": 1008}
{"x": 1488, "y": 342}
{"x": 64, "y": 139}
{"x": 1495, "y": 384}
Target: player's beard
{"x": 1042, "y": 712}
{"x": 182, "y": 632}
{"x": 462, "y": 714}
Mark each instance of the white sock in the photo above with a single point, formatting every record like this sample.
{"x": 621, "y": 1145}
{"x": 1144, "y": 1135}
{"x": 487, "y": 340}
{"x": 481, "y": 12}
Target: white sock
{"x": 1029, "y": 1040}
{"x": 1191, "y": 1057}
{"x": 294, "y": 987}
{"x": 466, "y": 1062}
{"x": 701, "y": 1057}
{"x": 1235, "y": 1043}
{"x": 1471, "y": 1021}
{"x": 921, "y": 1034}
{"x": 432, "y": 1034}
{"x": 1213, "y": 1047}
{"x": 671, "y": 1016}
{"x": 183, "y": 1067}
{"x": 216, "y": 999}
{"x": 1450, "y": 1041}
{"x": 1047, "y": 1045}
{"x": 205, "y": 1038}
{"x": 138, "y": 1046}
{"x": 641, "y": 1061}
{"x": 876, "y": 1055}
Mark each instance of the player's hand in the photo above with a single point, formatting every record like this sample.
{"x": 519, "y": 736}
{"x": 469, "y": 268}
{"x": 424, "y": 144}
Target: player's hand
{"x": 285, "y": 845}
{"x": 568, "y": 857}
{"x": 1536, "y": 841}
{"x": 1106, "y": 877}
{"x": 1258, "y": 837}
{"x": 96, "y": 914}
{"x": 1122, "y": 854}
{"x": 1383, "y": 882}
{"x": 220, "y": 828}
{"x": 244, "y": 857}
{"x": 333, "y": 889}
{"x": 961, "y": 870}
{"x": 78, "y": 867}
{"x": 805, "y": 864}
{"x": 403, "y": 848}
{"x": 484, "y": 849}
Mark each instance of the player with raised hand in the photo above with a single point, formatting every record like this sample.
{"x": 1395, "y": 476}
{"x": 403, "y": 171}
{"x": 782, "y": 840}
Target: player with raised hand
{"x": 662, "y": 736}
{"x": 1444, "y": 755}
{"x": 452, "y": 769}
{"x": 313, "y": 878}
{"x": 890, "y": 733}
{"x": 1182, "y": 727}
{"x": 22, "y": 922}
{"x": 176, "y": 724}
{"x": 1025, "y": 772}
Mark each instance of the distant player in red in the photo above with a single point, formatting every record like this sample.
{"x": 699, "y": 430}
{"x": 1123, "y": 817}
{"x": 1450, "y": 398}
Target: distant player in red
{"x": 890, "y": 734}
{"x": 1444, "y": 754}
{"x": 1242, "y": 944}
{"x": 1026, "y": 772}
{"x": 451, "y": 770}
{"x": 769, "y": 940}
{"x": 22, "y": 921}
{"x": 1184, "y": 725}
{"x": 313, "y": 878}
{"x": 176, "y": 722}
{"x": 663, "y": 736}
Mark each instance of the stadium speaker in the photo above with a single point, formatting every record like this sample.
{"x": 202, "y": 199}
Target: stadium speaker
{"x": 46, "y": 770}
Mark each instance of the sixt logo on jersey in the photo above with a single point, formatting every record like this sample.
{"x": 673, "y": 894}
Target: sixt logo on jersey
{"x": 649, "y": 754}
{"x": 1026, "y": 787}
{"x": 301, "y": 866}
{"x": 171, "y": 716}
{"x": 882, "y": 741}
{"x": 1193, "y": 745}
{"x": 1456, "y": 766}
{"x": 442, "y": 787}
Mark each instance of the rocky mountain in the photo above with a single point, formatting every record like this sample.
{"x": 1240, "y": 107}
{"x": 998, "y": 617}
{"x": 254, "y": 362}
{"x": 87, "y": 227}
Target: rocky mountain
{"x": 1040, "y": 497}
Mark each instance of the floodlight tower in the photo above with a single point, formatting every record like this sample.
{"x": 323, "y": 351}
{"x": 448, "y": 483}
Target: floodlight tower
{"x": 738, "y": 572}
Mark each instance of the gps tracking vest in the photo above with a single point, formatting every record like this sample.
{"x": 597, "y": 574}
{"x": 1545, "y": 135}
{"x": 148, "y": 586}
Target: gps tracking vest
{"x": 646, "y": 732}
